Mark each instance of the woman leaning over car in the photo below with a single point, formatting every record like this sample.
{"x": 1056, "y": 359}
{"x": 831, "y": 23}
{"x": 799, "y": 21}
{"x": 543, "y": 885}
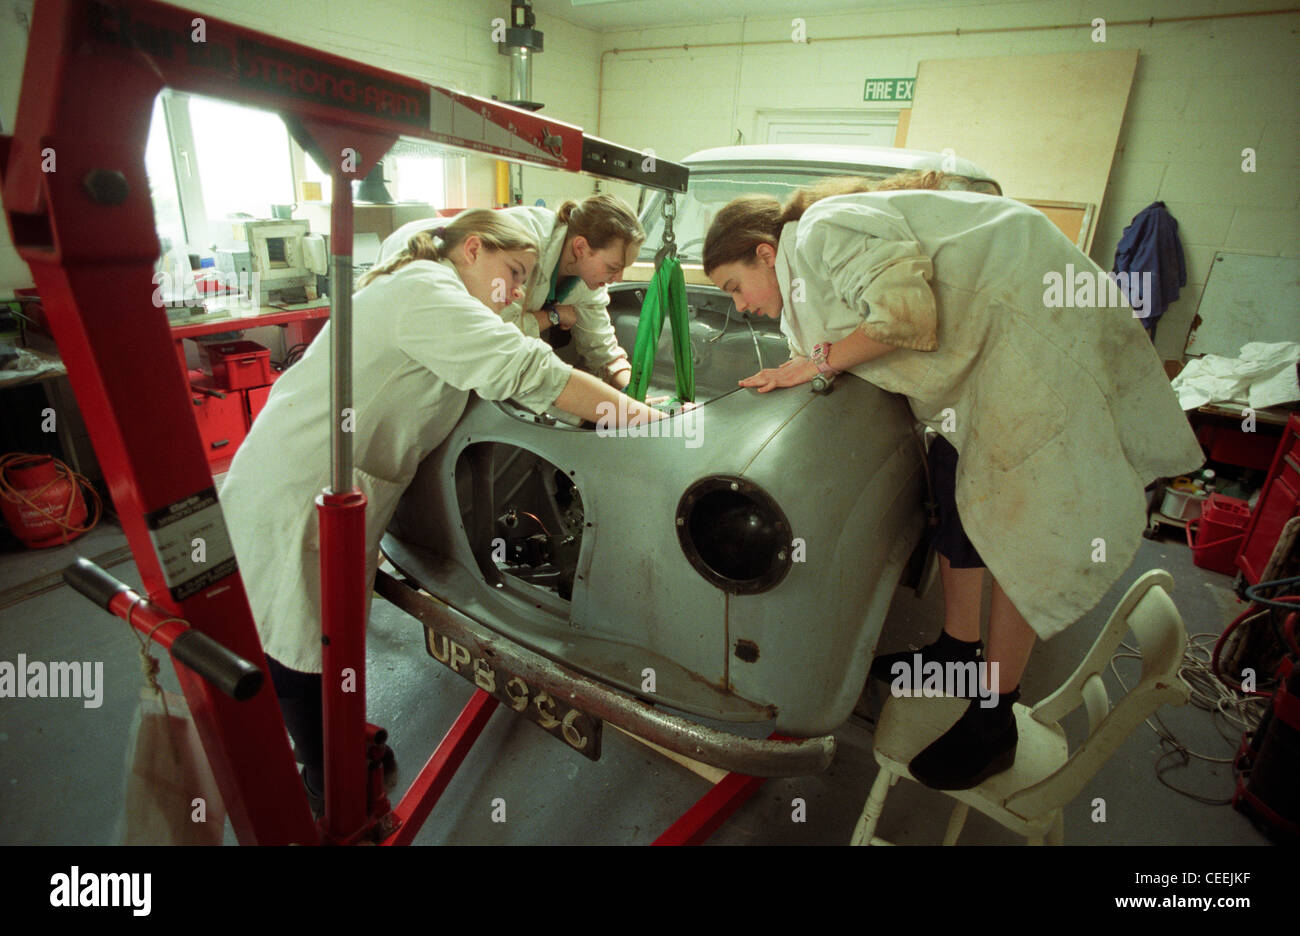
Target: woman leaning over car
{"x": 427, "y": 334}
{"x": 584, "y": 247}
{"x": 1060, "y": 416}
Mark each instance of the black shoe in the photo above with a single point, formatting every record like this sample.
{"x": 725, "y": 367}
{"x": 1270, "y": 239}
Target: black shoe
{"x": 944, "y": 650}
{"x": 982, "y": 743}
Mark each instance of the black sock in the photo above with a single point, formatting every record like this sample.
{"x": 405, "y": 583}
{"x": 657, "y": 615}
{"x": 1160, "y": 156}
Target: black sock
{"x": 994, "y": 719}
{"x": 965, "y": 649}
{"x": 299, "y": 695}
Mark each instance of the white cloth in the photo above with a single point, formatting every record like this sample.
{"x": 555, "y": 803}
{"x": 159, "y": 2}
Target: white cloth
{"x": 421, "y": 344}
{"x": 1263, "y": 374}
{"x": 1061, "y": 415}
{"x": 594, "y": 339}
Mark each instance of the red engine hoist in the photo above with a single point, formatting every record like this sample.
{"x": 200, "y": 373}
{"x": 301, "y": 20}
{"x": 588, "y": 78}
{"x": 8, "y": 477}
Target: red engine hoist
{"x": 77, "y": 201}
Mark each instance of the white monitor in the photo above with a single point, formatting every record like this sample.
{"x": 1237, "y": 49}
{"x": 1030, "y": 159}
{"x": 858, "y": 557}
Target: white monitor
{"x": 278, "y": 261}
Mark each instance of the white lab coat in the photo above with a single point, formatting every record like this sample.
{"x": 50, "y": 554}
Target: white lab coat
{"x": 1061, "y": 415}
{"x": 594, "y": 339}
{"x": 421, "y": 344}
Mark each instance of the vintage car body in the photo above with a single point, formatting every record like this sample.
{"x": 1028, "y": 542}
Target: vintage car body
{"x": 739, "y": 563}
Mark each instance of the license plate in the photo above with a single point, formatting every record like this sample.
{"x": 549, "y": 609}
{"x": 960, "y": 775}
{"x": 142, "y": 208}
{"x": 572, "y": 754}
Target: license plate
{"x": 556, "y": 717}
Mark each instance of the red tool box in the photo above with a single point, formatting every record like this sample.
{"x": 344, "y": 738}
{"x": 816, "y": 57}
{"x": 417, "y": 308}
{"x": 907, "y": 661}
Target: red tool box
{"x": 1279, "y": 501}
{"x": 237, "y": 365}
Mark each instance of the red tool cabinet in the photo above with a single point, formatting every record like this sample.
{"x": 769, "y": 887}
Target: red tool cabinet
{"x": 1278, "y": 502}
{"x": 221, "y": 418}
{"x": 256, "y": 400}
{"x": 225, "y": 415}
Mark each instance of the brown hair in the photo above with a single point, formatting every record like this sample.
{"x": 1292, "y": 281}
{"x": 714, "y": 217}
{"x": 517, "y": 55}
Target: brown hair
{"x": 750, "y": 220}
{"x": 601, "y": 219}
{"x": 497, "y": 231}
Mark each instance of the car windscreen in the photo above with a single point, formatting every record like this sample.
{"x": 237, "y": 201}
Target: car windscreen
{"x": 705, "y": 194}
{"x": 708, "y": 190}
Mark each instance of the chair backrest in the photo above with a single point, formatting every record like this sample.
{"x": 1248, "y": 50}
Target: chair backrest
{"x": 1147, "y": 610}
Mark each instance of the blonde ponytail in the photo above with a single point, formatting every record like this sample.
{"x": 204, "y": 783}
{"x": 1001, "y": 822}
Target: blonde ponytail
{"x": 497, "y": 231}
{"x": 601, "y": 219}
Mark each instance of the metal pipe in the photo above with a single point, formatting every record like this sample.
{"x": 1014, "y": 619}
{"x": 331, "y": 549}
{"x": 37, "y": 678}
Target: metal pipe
{"x": 521, "y": 89}
{"x": 341, "y": 336}
{"x": 521, "y": 74}
{"x": 689, "y": 46}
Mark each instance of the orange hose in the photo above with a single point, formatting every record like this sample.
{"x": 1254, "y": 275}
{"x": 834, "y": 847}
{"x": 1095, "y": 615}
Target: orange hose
{"x": 11, "y": 494}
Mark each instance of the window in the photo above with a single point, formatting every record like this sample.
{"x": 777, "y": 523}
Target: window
{"x": 243, "y": 159}
{"x": 419, "y": 179}
{"x": 213, "y": 164}
{"x": 161, "y": 171}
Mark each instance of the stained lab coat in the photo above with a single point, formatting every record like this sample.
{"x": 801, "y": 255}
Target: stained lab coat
{"x": 1061, "y": 416}
{"x": 594, "y": 339}
{"x": 421, "y": 344}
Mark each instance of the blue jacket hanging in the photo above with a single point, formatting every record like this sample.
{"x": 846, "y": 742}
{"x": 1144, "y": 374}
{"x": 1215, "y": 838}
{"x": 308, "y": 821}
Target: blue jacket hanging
{"x": 1150, "y": 245}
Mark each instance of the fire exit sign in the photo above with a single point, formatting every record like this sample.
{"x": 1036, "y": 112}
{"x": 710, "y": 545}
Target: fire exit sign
{"x": 888, "y": 89}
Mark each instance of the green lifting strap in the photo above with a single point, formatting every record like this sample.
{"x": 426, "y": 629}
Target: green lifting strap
{"x": 666, "y": 291}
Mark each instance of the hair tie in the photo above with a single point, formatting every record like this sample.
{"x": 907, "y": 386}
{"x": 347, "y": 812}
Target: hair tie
{"x": 440, "y": 233}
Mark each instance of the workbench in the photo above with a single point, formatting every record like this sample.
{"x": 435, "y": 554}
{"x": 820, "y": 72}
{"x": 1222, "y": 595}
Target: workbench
{"x": 303, "y": 324}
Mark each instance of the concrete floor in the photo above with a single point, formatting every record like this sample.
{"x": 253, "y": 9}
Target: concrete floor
{"x": 62, "y": 765}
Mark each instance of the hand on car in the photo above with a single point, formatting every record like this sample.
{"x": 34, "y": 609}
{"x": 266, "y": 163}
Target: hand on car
{"x": 790, "y": 374}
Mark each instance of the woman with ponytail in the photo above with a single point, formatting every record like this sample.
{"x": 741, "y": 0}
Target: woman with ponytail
{"x": 1061, "y": 414}
{"x": 428, "y": 332}
{"x": 584, "y": 246}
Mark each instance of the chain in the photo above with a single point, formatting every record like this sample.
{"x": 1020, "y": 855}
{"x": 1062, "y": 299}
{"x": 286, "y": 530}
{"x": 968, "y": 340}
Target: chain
{"x": 669, "y": 248}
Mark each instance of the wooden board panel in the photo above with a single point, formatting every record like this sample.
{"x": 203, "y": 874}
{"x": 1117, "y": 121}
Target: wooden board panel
{"x": 1074, "y": 221}
{"x": 1247, "y": 298}
{"x": 1045, "y": 126}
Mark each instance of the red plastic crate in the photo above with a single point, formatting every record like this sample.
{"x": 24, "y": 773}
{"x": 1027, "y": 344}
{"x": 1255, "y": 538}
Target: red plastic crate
{"x": 1215, "y": 537}
{"x": 237, "y": 365}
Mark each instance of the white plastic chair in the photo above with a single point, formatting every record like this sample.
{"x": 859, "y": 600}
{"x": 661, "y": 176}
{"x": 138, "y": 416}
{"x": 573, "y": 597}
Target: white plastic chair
{"x": 1029, "y": 797}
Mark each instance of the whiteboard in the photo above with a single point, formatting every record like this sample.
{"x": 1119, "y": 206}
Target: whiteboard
{"x": 1247, "y": 298}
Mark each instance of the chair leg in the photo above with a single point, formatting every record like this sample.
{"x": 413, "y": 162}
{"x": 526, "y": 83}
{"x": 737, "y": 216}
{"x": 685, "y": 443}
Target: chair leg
{"x": 955, "y": 823}
{"x": 1056, "y": 835}
{"x": 866, "y": 827}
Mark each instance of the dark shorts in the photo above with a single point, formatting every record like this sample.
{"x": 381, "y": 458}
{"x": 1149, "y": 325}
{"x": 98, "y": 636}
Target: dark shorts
{"x": 949, "y": 538}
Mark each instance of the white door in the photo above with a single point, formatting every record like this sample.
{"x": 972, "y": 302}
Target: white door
{"x": 854, "y": 128}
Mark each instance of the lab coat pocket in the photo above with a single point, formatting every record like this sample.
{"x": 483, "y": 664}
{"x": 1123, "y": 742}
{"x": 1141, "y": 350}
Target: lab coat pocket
{"x": 381, "y": 503}
{"x": 382, "y": 496}
{"x": 1014, "y": 410}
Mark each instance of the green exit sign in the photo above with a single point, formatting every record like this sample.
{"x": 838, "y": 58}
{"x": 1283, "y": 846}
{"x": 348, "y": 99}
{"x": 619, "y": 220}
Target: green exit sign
{"x": 888, "y": 89}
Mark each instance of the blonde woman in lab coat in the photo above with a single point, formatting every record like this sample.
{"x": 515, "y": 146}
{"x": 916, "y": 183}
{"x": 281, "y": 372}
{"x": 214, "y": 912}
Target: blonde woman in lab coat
{"x": 1061, "y": 416}
{"x": 427, "y": 334}
{"x": 585, "y": 246}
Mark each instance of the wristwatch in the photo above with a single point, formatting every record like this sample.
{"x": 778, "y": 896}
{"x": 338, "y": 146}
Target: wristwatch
{"x": 821, "y": 357}
{"x": 552, "y": 316}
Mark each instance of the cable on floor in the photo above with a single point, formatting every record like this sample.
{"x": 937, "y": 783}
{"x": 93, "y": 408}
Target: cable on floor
{"x": 1207, "y": 692}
